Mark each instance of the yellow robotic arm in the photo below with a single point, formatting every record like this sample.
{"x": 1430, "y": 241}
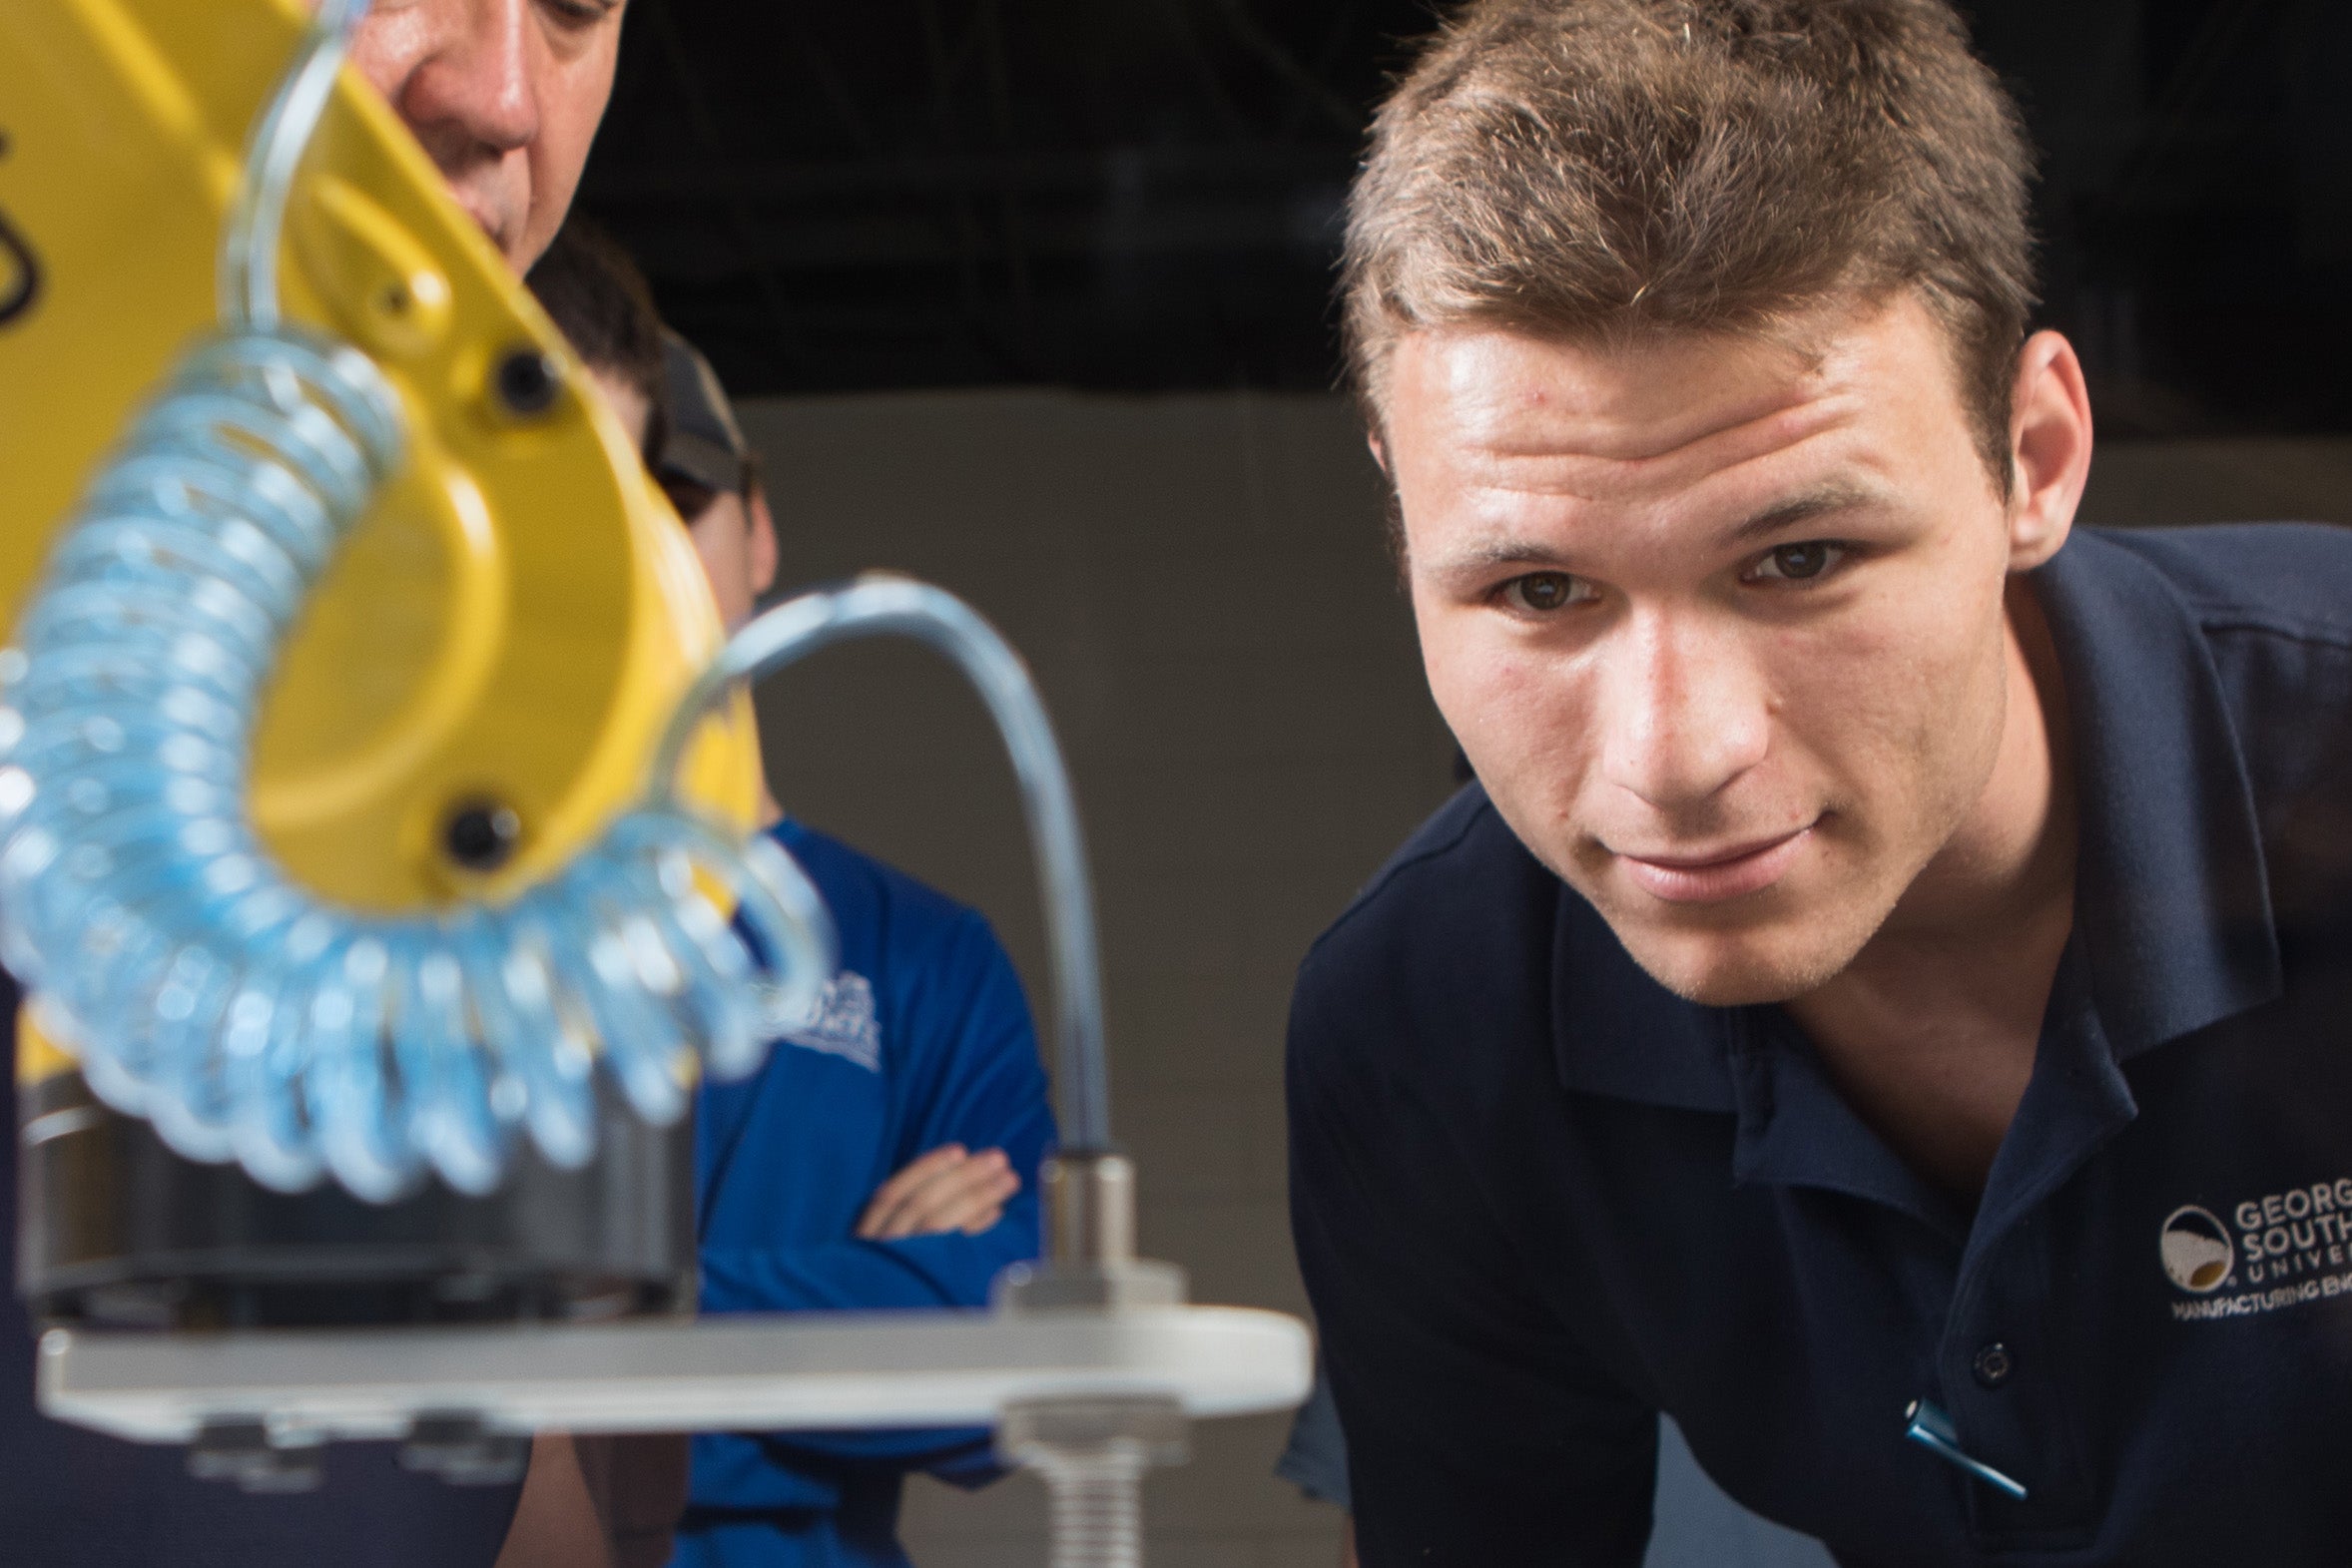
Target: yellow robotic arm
{"x": 466, "y": 702}
{"x": 515, "y": 618}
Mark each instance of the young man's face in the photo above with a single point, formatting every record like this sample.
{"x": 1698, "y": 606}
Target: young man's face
{"x": 735, "y": 539}
{"x": 505, "y": 95}
{"x": 1719, "y": 623}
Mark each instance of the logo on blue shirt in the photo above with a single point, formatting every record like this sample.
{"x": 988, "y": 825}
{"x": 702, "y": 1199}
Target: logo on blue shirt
{"x": 846, "y": 1024}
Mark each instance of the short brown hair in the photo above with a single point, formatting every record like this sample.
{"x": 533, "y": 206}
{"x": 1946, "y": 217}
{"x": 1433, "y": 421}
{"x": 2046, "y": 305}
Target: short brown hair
{"x": 592, "y": 290}
{"x": 1606, "y": 169}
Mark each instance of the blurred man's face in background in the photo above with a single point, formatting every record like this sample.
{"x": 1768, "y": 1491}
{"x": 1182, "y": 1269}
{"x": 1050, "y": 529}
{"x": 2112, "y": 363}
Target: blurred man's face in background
{"x": 1720, "y": 623}
{"x": 505, "y": 96}
{"x": 735, "y": 539}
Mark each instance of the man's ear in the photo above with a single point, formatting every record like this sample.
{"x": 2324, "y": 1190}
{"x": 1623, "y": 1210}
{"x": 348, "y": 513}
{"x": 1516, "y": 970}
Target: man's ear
{"x": 1379, "y": 451}
{"x": 2050, "y": 449}
{"x": 762, "y": 542}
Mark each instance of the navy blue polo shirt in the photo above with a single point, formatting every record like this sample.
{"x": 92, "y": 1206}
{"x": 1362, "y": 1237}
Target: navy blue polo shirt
{"x": 1537, "y": 1198}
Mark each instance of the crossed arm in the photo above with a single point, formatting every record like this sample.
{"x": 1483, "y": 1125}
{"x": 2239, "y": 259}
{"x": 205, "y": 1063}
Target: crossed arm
{"x": 950, "y": 1189}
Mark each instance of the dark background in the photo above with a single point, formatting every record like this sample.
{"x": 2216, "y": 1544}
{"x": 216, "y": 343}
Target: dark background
{"x": 1143, "y": 194}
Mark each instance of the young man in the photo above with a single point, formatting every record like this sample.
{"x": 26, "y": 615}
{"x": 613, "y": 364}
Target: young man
{"x": 1892, "y": 971}
{"x": 884, "y": 1157}
{"x": 505, "y": 95}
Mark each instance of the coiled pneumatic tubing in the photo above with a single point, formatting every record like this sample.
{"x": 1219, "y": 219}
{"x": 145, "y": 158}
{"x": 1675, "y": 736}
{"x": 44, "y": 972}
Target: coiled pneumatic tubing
{"x": 198, "y": 983}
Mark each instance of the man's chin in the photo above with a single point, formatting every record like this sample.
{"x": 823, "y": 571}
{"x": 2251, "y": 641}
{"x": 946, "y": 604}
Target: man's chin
{"x": 1738, "y": 969}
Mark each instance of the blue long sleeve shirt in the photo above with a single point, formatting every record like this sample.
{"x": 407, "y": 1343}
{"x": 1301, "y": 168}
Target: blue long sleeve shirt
{"x": 925, "y": 1040}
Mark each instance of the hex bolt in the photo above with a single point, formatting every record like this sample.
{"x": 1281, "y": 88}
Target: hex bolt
{"x": 525, "y": 383}
{"x": 482, "y": 834}
{"x": 1097, "y": 1510}
{"x": 1091, "y": 1454}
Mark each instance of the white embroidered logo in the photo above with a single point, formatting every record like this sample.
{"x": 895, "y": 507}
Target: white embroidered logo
{"x": 2197, "y": 1251}
{"x": 846, "y": 1024}
{"x": 2297, "y": 1243}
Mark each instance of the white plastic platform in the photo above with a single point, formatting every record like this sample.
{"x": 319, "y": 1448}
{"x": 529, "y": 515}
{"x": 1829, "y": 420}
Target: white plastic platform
{"x": 731, "y": 1373}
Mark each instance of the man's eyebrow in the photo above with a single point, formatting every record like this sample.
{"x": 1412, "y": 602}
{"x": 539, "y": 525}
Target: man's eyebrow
{"x": 1500, "y": 552}
{"x": 1533, "y": 555}
{"x": 1822, "y": 502}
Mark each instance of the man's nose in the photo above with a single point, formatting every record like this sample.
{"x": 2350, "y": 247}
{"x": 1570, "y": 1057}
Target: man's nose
{"x": 1684, "y": 709}
{"x": 479, "y": 82}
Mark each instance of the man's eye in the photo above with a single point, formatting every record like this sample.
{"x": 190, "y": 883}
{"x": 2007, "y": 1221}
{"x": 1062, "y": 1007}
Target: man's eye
{"x": 581, "y": 13}
{"x": 1544, "y": 592}
{"x": 1797, "y": 563}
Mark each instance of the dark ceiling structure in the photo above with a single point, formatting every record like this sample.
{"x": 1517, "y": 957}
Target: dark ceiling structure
{"x": 1144, "y": 194}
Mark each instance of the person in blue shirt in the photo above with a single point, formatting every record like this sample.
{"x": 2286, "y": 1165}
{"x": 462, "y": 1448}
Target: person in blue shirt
{"x": 923, "y": 1052}
{"x": 1883, "y": 1000}
{"x": 884, "y": 1157}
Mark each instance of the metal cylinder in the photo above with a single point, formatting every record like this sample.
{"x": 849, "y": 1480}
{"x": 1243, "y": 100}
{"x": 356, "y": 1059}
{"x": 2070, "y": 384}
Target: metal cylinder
{"x": 1089, "y": 1200}
{"x": 118, "y": 1229}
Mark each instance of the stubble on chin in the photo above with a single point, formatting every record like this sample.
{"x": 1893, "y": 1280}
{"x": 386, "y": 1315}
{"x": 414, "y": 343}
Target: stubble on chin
{"x": 1772, "y": 947}
{"x": 1746, "y": 970}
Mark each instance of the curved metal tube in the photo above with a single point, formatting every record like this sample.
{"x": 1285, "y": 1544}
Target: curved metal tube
{"x": 885, "y": 604}
{"x": 274, "y": 154}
